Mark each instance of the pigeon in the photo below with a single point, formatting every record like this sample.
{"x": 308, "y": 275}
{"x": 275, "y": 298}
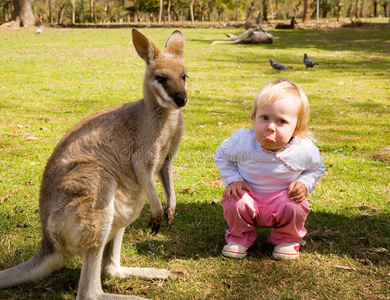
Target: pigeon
{"x": 39, "y": 30}
{"x": 278, "y": 66}
{"x": 308, "y": 62}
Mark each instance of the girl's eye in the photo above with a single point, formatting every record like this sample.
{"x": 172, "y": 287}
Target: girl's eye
{"x": 265, "y": 118}
{"x": 282, "y": 121}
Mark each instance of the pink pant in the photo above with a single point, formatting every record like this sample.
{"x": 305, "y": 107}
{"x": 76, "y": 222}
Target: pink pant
{"x": 272, "y": 210}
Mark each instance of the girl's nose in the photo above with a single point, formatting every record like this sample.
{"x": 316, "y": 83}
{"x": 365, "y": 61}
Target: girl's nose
{"x": 271, "y": 127}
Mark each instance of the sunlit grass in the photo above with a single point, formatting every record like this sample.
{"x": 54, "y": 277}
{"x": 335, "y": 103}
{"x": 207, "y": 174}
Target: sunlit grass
{"x": 51, "y": 81}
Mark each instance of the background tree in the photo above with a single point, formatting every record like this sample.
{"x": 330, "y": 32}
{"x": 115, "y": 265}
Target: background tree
{"x": 111, "y": 11}
{"x": 160, "y": 14}
{"x": 61, "y": 9}
{"x": 306, "y": 10}
{"x": 192, "y": 12}
{"x": 22, "y": 14}
{"x": 92, "y": 10}
{"x": 265, "y": 10}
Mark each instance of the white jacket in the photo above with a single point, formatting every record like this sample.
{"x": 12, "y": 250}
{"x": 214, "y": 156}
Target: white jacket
{"x": 242, "y": 158}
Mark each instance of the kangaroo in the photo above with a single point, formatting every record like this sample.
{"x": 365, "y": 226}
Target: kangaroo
{"x": 99, "y": 174}
{"x": 287, "y": 26}
{"x": 254, "y": 23}
{"x": 250, "y": 36}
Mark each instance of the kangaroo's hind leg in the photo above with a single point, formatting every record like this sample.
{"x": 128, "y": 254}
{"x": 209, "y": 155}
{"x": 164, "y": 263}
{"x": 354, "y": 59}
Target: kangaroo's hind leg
{"x": 90, "y": 283}
{"x": 111, "y": 263}
{"x": 94, "y": 242}
{"x": 86, "y": 222}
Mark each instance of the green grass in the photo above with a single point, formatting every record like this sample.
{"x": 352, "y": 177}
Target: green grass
{"x": 49, "y": 82}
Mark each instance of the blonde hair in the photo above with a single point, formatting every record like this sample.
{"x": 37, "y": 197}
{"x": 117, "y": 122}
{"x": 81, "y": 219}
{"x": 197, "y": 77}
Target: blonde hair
{"x": 274, "y": 91}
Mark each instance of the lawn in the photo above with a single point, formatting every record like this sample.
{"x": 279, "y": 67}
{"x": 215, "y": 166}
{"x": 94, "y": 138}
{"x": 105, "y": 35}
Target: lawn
{"x": 49, "y": 82}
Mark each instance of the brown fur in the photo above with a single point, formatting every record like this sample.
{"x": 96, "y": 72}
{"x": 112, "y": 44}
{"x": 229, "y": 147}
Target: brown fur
{"x": 101, "y": 171}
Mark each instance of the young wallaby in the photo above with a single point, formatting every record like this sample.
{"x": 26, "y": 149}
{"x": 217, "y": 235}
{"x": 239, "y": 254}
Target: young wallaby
{"x": 98, "y": 176}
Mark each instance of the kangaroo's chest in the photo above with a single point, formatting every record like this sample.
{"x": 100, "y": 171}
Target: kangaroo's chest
{"x": 167, "y": 137}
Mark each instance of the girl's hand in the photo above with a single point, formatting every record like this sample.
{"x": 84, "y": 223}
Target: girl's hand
{"x": 297, "y": 191}
{"x": 236, "y": 189}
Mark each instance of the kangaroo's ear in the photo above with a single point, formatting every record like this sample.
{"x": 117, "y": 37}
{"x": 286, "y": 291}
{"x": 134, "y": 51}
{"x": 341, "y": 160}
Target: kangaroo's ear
{"x": 175, "y": 44}
{"x": 144, "y": 47}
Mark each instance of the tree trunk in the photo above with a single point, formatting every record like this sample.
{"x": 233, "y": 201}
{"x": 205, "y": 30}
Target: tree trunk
{"x": 107, "y": 9}
{"x": 22, "y": 15}
{"x": 357, "y": 16}
{"x": 61, "y": 14}
{"x": 50, "y": 11}
{"x": 92, "y": 6}
{"x": 160, "y": 12}
{"x": 349, "y": 10}
{"x": 169, "y": 11}
{"x": 265, "y": 10}
{"x": 306, "y": 10}
{"x": 73, "y": 12}
{"x": 338, "y": 12}
{"x": 251, "y": 10}
{"x": 384, "y": 5}
{"x": 7, "y": 8}
{"x": 276, "y": 8}
{"x": 192, "y": 12}
{"x": 136, "y": 12}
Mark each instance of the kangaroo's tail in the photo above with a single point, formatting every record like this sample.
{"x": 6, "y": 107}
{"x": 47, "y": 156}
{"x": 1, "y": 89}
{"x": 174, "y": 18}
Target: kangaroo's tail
{"x": 38, "y": 266}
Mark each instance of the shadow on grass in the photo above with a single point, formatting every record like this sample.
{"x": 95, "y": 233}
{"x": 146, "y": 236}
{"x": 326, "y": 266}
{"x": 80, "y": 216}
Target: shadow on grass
{"x": 198, "y": 234}
{"x": 199, "y": 230}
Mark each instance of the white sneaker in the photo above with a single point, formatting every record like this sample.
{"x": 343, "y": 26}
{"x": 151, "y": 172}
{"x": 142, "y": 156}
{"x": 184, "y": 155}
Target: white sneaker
{"x": 286, "y": 251}
{"x": 234, "y": 250}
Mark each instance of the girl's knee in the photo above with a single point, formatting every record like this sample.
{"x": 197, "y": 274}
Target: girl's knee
{"x": 243, "y": 204}
{"x": 298, "y": 210}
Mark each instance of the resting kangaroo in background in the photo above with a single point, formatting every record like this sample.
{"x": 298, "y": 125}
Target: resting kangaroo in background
{"x": 287, "y": 26}
{"x": 98, "y": 176}
{"x": 250, "y": 36}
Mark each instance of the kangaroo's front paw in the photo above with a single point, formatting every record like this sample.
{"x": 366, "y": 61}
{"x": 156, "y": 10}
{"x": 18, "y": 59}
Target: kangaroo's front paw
{"x": 155, "y": 223}
{"x": 170, "y": 215}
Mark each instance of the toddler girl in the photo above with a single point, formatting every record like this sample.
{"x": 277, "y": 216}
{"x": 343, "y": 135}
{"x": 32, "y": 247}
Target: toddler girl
{"x": 268, "y": 172}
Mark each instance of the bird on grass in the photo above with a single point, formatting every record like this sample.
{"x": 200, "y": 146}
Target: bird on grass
{"x": 308, "y": 62}
{"x": 278, "y": 66}
{"x": 39, "y": 30}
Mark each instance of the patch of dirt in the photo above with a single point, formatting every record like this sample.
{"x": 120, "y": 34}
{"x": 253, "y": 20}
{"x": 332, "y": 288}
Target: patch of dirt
{"x": 383, "y": 155}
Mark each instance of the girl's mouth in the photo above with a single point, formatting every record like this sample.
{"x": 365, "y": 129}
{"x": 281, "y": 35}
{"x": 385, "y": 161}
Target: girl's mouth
{"x": 270, "y": 138}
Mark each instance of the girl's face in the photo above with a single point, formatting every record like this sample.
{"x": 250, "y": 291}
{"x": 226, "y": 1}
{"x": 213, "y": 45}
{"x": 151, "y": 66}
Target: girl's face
{"x": 275, "y": 123}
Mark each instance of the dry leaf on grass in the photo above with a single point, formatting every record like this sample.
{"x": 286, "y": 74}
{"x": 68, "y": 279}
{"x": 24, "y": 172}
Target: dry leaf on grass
{"x": 344, "y": 268}
{"x": 217, "y": 183}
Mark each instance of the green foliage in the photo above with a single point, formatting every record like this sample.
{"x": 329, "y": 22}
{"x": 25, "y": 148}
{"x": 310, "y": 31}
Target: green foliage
{"x": 51, "y": 81}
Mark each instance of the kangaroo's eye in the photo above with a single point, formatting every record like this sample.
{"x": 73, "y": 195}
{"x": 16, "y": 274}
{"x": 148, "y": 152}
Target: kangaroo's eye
{"x": 185, "y": 77}
{"x": 161, "y": 79}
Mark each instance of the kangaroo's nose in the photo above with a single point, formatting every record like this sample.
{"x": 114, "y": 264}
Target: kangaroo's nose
{"x": 180, "y": 99}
